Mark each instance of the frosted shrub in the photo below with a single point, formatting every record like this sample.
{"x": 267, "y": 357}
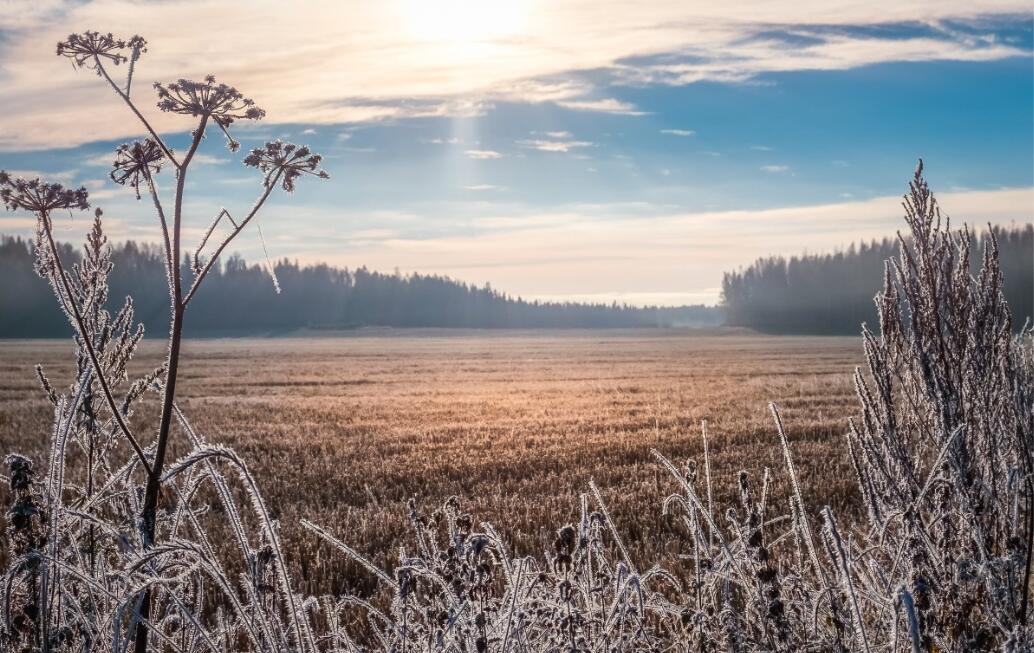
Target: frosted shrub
{"x": 111, "y": 545}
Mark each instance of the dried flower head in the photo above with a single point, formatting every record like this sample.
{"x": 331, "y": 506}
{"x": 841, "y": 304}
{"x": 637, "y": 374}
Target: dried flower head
{"x": 286, "y": 160}
{"x": 39, "y": 197}
{"x": 81, "y": 48}
{"x": 222, "y": 103}
{"x": 136, "y": 162}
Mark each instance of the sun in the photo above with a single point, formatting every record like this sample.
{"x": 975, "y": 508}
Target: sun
{"x": 462, "y": 22}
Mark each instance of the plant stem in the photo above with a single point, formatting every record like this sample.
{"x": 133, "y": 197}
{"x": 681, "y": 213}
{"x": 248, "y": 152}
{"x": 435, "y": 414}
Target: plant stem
{"x": 149, "y": 511}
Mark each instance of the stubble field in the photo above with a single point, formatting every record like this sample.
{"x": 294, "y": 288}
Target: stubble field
{"x": 344, "y": 430}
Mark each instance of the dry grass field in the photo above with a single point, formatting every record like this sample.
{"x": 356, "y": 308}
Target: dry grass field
{"x": 343, "y": 430}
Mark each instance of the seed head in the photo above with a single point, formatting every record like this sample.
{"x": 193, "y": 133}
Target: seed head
{"x": 286, "y": 159}
{"x": 82, "y": 48}
{"x": 134, "y": 162}
{"x": 224, "y": 104}
{"x": 39, "y": 197}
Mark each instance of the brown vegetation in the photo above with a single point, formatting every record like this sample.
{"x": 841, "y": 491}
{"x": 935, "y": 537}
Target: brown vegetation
{"x": 515, "y": 424}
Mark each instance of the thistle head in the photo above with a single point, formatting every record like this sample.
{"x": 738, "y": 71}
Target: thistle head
{"x": 135, "y": 162}
{"x": 286, "y": 160}
{"x": 82, "y": 48}
{"x": 38, "y": 196}
{"x": 223, "y": 104}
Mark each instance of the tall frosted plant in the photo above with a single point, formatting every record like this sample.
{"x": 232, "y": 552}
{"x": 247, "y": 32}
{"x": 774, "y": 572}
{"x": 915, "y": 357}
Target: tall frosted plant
{"x": 943, "y": 448}
{"x": 210, "y": 105}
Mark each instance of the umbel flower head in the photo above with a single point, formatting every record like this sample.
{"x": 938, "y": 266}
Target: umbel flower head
{"x": 287, "y": 160}
{"x": 224, "y": 104}
{"x": 81, "y": 48}
{"x": 39, "y": 197}
{"x": 135, "y": 162}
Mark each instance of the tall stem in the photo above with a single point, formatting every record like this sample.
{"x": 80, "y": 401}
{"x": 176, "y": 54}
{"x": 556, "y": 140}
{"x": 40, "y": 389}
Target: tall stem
{"x": 149, "y": 511}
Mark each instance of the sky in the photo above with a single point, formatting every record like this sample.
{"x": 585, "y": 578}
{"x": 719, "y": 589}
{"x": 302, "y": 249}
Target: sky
{"x": 597, "y": 150}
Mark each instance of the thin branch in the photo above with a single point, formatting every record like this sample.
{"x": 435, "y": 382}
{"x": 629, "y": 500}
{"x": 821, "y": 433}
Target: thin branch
{"x": 129, "y": 103}
{"x": 208, "y": 233}
{"x": 270, "y": 183}
{"x": 170, "y": 264}
{"x": 88, "y": 344}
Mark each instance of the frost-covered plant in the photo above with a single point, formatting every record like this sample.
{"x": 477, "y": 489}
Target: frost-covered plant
{"x": 112, "y": 547}
{"x": 113, "y": 564}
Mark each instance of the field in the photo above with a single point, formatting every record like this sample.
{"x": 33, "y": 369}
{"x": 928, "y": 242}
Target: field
{"x": 343, "y": 430}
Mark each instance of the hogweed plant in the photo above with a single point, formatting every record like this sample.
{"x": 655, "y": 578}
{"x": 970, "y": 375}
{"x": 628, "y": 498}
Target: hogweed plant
{"x": 117, "y": 551}
{"x": 131, "y": 491}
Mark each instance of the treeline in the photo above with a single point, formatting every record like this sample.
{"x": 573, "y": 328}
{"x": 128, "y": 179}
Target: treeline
{"x": 833, "y": 293}
{"x": 239, "y": 299}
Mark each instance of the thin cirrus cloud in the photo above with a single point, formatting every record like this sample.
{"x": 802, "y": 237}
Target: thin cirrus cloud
{"x": 605, "y": 105}
{"x": 363, "y": 62}
{"x": 483, "y": 154}
{"x": 556, "y": 144}
{"x": 775, "y": 169}
{"x": 679, "y": 132}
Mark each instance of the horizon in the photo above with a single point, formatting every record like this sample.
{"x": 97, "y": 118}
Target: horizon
{"x": 556, "y": 159}
{"x": 260, "y": 263}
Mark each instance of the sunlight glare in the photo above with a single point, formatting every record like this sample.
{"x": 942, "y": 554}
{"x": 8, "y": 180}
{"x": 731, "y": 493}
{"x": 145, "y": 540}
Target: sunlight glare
{"x": 463, "y": 22}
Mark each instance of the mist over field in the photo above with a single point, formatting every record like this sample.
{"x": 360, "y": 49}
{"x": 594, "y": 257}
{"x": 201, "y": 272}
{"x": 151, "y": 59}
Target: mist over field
{"x": 516, "y": 327}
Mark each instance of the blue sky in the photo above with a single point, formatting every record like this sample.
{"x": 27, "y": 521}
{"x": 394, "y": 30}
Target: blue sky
{"x": 630, "y": 157}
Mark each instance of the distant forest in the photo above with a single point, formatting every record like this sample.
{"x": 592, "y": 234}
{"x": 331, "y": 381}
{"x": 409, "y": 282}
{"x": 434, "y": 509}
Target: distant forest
{"x": 239, "y": 299}
{"x": 833, "y": 293}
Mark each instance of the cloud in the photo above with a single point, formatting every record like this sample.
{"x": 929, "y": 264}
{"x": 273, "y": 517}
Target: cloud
{"x": 61, "y": 176}
{"x": 621, "y": 252}
{"x": 237, "y": 181}
{"x": 480, "y": 187}
{"x": 543, "y": 55}
{"x": 483, "y": 154}
{"x": 106, "y": 159}
{"x": 607, "y": 105}
{"x": 679, "y": 132}
{"x": 552, "y": 145}
{"x": 775, "y": 169}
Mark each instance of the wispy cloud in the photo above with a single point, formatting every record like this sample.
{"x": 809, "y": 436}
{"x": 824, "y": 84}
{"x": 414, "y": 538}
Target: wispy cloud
{"x": 679, "y": 132}
{"x": 483, "y": 154}
{"x": 63, "y": 175}
{"x": 480, "y": 187}
{"x": 539, "y": 58}
{"x": 775, "y": 169}
{"x": 106, "y": 159}
{"x": 553, "y": 144}
{"x": 606, "y": 105}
